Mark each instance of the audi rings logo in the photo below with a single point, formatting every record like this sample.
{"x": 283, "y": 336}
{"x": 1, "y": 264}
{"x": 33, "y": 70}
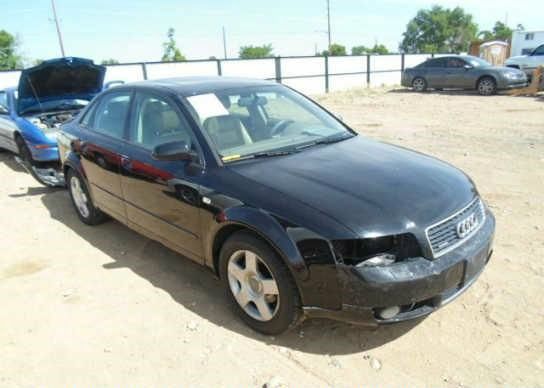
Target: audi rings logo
{"x": 466, "y": 226}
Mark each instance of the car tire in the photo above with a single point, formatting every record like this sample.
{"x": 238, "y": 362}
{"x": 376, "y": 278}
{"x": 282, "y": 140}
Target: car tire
{"x": 419, "y": 84}
{"x": 486, "y": 86}
{"x": 79, "y": 194}
{"x": 258, "y": 284}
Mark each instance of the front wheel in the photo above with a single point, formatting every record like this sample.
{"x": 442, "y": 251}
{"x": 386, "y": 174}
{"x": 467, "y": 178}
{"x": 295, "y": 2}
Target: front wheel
{"x": 85, "y": 209}
{"x": 258, "y": 284}
{"x": 487, "y": 86}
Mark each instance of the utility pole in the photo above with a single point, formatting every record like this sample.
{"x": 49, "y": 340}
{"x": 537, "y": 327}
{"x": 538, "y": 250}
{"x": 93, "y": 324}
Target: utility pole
{"x": 224, "y": 42}
{"x": 329, "y": 22}
{"x": 58, "y": 27}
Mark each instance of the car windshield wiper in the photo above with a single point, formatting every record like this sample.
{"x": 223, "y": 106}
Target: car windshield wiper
{"x": 326, "y": 140}
{"x": 264, "y": 154}
{"x": 269, "y": 154}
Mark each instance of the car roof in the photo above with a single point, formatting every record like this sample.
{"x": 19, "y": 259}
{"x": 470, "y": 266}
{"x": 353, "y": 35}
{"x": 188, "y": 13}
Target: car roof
{"x": 188, "y": 86}
{"x": 466, "y": 57}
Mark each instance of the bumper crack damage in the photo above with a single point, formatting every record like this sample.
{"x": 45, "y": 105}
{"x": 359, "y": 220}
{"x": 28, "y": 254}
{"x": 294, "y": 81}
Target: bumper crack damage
{"x": 47, "y": 176}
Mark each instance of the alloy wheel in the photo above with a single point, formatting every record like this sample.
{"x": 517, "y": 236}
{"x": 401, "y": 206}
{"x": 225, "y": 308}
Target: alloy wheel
{"x": 486, "y": 87}
{"x": 419, "y": 84}
{"x": 253, "y": 285}
{"x": 80, "y": 198}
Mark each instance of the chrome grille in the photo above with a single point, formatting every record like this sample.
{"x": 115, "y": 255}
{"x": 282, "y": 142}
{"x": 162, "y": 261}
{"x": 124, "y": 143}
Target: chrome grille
{"x": 444, "y": 236}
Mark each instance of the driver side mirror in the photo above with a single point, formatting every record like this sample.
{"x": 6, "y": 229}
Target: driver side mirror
{"x": 173, "y": 151}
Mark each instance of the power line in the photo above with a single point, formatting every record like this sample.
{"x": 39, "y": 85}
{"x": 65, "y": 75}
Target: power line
{"x": 58, "y": 28}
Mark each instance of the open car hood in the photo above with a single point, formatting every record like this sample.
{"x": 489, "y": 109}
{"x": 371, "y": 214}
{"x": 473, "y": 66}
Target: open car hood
{"x": 59, "y": 79}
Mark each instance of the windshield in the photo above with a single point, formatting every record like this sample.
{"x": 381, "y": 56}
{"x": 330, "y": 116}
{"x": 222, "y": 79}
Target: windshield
{"x": 477, "y": 62}
{"x": 258, "y": 121}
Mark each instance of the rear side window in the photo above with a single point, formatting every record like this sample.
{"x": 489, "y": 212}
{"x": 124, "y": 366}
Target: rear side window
{"x": 110, "y": 114}
{"x": 434, "y": 63}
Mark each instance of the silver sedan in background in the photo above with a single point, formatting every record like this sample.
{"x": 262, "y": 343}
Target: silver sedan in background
{"x": 462, "y": 72}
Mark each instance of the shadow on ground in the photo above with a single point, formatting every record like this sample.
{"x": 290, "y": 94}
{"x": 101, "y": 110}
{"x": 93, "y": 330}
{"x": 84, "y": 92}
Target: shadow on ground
{"x": 8, "y": 159}
{"x": 195, "y": 287}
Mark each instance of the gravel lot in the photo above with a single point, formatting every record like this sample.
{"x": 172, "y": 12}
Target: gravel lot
{"x": 103, "y": 306}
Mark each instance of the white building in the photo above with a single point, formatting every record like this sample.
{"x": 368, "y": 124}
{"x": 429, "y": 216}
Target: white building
{"x": 524, "y": 42}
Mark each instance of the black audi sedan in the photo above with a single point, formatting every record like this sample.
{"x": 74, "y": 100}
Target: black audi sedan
{"x": 297, "y": 214}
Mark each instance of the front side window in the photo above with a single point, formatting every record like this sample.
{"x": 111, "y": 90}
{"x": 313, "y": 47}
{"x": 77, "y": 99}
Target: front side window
{"x": 262, "y": 119}
{"x": 455, "y": 63}
{"x": 111, "y": 114}
{"x": 157, "y": 122}
{"x": 478, "y": 62}
{"x": 539, "y": 50}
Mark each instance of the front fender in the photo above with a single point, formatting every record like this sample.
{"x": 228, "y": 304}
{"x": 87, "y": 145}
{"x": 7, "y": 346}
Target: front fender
{"x": 314, "y": 274}
{"x": 263, "y": 224}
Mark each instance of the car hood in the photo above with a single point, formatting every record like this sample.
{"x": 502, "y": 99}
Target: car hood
{"x": 370, "y": 187}
{"x": 57, "y": 80}
{"x": 516, "y": 58}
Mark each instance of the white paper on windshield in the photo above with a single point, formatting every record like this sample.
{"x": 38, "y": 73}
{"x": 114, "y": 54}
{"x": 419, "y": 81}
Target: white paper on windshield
{"x": 207, "y": 105}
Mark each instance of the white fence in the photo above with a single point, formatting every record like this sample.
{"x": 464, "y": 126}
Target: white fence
{"x": 310, "y": 75}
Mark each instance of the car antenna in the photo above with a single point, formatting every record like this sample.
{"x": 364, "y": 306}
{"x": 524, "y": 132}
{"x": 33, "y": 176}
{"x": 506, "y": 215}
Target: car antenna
{"x": 34, "y": 92}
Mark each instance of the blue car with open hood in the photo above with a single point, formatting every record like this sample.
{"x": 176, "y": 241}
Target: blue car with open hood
{"x": 48, "y": 95}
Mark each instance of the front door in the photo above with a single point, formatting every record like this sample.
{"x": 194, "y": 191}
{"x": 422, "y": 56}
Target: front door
{"x": 162, "y": 197}
{"x": 101, "y": 148}
{"x": 457, "y": 76}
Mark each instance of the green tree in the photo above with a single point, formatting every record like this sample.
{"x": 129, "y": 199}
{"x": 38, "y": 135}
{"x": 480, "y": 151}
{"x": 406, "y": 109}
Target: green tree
{"x": 110, "y": 61}
{"x": 335, "y": 50}
{"x": 360, "y": 50}
{"x": 379, "y": 49}
{"x": 171, "y": 51}
{"x": 363, "y": 50}
{"x": 9, "y": 59}
{"x": 439, "y": 30}
{"x": 253, "y": 52}
{"x": 501, "y": 31}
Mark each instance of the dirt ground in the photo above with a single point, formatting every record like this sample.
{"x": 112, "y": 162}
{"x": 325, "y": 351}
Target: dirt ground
{"x": 103, "y": 306}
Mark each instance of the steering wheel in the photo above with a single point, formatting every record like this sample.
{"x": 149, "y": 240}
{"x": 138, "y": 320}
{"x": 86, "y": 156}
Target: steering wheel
{"x": 280, "y": 126}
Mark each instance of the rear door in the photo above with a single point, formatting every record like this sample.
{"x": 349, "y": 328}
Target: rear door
{"x": 435, "y": 73}
{"x": 162, "y": 197}
{"x": 101, "y": 148}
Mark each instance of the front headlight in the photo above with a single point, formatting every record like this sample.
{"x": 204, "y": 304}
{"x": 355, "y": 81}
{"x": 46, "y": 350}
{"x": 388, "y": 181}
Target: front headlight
{"x": 511, "y": 75}
{"x": 376, "y": 252}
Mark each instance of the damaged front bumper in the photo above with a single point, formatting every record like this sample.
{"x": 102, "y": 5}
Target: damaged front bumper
{"x": 415, "y": 287}
{"x": 46, "y": 175}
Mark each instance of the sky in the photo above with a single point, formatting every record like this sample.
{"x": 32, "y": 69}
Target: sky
{"x": 134, "y": 30}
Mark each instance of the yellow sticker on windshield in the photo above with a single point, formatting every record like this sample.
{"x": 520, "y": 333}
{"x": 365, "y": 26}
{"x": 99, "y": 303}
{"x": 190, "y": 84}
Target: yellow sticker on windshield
{"x": 230, "y": 157}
